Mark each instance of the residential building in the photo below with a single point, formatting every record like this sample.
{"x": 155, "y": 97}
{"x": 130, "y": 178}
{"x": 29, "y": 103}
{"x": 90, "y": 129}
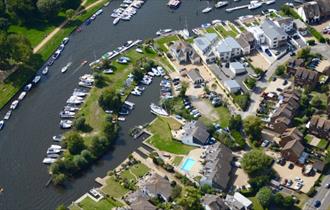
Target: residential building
{"x": 309, "y": 12}
{"x": 319, "y": 127}
{"x": 227, "y": 49}
{"x": 248, "y": 36}
{"x": 292, "y": 151}
{"x": 274, "y": 35}
{"x": 245, "y": 45}
{"x": 137, "y": 201}
{"x": 203, "y": 46}
{"x": 195, "y": 76}
{"x": 300, "y": 27}
{"x": 184, "y": 53}
{"x": 156, "y": 186}
{"x": 324, "y": 6}
{"x": 258, "y": 34}
{"x": 217, "y": 168}
{"x": 238, "y": 202}
{"x": 193, "y": 133}
{"x": 285, "y": 22}
{"x": 237, "y": 68}
{"x": 290, "y": 134}
{"x": 305, "y": 77}
{"x": 232, "y": 86}
{"x": 213, "y": 202}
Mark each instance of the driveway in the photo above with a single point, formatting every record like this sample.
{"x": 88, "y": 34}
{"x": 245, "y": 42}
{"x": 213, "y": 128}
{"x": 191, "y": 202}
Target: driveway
{"x": 323, "y": 195}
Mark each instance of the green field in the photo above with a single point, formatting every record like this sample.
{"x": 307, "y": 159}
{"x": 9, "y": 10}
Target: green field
{"x": 177, "y": 161}
{"x": 161, "y": 42}
{"x": 114, "y": 188}
{"x": 104, "y": 204}
{"x": 162, "y": 137}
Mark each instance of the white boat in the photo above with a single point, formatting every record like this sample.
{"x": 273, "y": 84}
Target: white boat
{"x": 66, "y": 124}
{"x": 163, "y": 31}
{"x": 36, "y": 79}
{"x": 215, "y": 22}
{"x": 54, "y": 146}
{"x": 220, "y": 4}
{"x": 22, "y": 96}
{"x": 79, "y": 94}
{"x": 136, "y": 92}
{"x": 7, "y": 115}
{"x": 254, "y": 5}
{"x": 58, "y": 138}
{"x": 108, "y": 71}
{"x": 45, "y": 70}
{"x": 27, "y": 87}
{"x": 270, "y": 2}
{"x": 115, "y": 21}
{"x": 53, "y": 151}
{"x": 157, "y": 110}
{"x": 129, "y": 105}
{"x": 289, "y": 4}
{"x": 2, "y": 123}
{"x": 67, "y": 114}
{"x": 48, "y": 160}
{"x": 299, "y": 1}
{"x": 207, "y": 10}
{"x": 139, "y": 50}
{"x": 106, "y": 4}
{"x": 99, "y": 12}
{"x": 121, "y": 119}
{"x": 53, "y": 156}
{"x": 66, "y": 67}
{"x": 14, "y": 104}
{"x": 85, "y": 84}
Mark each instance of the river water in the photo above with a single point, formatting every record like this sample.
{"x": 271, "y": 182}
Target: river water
{"x": 27, "y": 135}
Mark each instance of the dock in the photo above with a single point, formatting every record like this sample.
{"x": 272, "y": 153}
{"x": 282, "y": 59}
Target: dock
{"x": 237, "y": 8}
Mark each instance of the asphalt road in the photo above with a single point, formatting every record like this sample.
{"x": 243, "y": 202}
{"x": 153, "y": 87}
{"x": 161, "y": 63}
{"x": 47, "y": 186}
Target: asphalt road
{"x": 323, "y": 195}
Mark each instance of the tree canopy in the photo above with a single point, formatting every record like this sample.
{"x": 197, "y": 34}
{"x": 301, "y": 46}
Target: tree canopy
{"x": 256, "y": 162}
{"x": 264, "y": 196}
{"x": 253, "y": 127}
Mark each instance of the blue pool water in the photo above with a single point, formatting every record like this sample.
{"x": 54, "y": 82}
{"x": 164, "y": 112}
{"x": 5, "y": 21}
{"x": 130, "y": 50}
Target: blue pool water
{"x": 188, "y": 163}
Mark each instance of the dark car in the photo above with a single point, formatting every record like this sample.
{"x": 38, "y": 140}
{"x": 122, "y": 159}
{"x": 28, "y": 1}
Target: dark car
{"x": 291, "y": 166}
{"x": 274, "y": 79}
{"x": 50, "y": 62}
{"x": 279, "y": 89}
{"x": 285, "y": 82}
{"x": 317, "y": 203}
{"x": 267, "y": 51}
{"x": 292, "y": 53}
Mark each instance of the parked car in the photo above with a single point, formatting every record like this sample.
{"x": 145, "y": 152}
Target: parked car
{"x": 267, "y": 51}
{"x": 291, "y": 166}
{"x": 317, "y": 203}
{"x": 265, "y": 143}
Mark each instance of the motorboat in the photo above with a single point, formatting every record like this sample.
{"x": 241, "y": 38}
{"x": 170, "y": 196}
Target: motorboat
{"x": 79, "y": 94}
{"x": 99, "y": 12}
{"x": 93, "y": 17}
{"x": 85, "y": 84}
{"x": 36, "y": 79}
{"x": 67, "y": 114}
{"x": 66, "y": 67}
{"x": 87, "y": 78}
{"x": 157, "y": 110}
{"x": 129, "y": 105}
{"x": 65, "y": 40}
{"x": 56, "y": 55}
{"x": 123, "y": 60}
{"x": 123, "y": 111}
{"x": 151, "y": 74}
{"x": 71, "y": 108}
{"x": 53, "y": 151}
{"x": 254, "y": 5}
{"x": 215, "y": 22}
{"x": 206, "y": 25}
{"x": 22, "y": 96}
{"x": 126, "y": 17}
{"x": 7, "y": 115}
{"x": 220, "y": 4}
{"x": 128, "y": 1}
{"x": 45, "y": 70}
{"x": 58, "y": 138}
{"x": 66, "y": 124}
{"x": 61, "y": 47}
{"x": 2, "y": 123}
{"x": 49, "y": 160}
{"x": 75, "y": 100}
{"x": 53, "y": 156}
{"x": 289, "y": 4}
{"x": 108, "y": 71}
{"x": 161, "y": 70}
{"x": 163, "y": 31}
{"x": 136, "y": 92}
{"x": 27, "y": 87}
{"x": 270, "y": 2}
{"x": 299, "y": 1}
{"x": 139, "y": 50}
{"x": 54, "y": 146}
{"x": 14, "y": 105}
{"x": 115, "y": 15}
{"x": 124, "y": 5}
{"x": 115, "y": 21}
{"x": 121, "y": 118}
{"x": 207, "y": 10}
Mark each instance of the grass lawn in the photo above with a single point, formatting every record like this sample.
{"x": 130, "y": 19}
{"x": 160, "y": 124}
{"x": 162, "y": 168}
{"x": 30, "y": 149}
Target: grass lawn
{"x": 113, "y": 188}
{"x": 177, "y": 161}
{"x": 165, "y": 40}
{"x": 162, "y": 138}
{"x": 224, "y": 116}
{"x": 233, "y": 28}
{"x": 128, "y": 175}
{"x": 139, "y": 169}
{"x": 224, "y": 32}
{"x": 308, "y": 138}
{"x": 211, "y": 30}
{"x": 322, "y": 144}
{"x": 104, "y": 204}
{"x": 256, "y": 204}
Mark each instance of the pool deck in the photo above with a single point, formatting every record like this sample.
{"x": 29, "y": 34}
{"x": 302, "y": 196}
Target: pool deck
{"x": 194, "y": 154}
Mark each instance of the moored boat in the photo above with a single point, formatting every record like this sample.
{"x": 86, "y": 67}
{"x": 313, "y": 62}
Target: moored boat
{"x": 207, "y": 10}
{"x": 157, "y": 110}
{"x": 220, "y": 4}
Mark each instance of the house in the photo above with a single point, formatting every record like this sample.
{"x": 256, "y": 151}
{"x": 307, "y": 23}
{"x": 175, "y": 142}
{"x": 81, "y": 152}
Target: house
{"x": 232, "y": 86}
{"x": 305, "y": 77}
{"x": 237, "y": 68}
{"x": 309, "y": 12}
{"x": 248, "y": 36}
{"x": 319, "y": 127}
{"x": 203, "y": 46}
{"x": 319, "y": 166}
{"x": 184, "y": 53}
{"x": 213, "y": 202}
{"x": 227, "y": 49}
{"x": 258, "y": 34}
{"x": 195, "y": 76}
{"x": 324, "y": 6}
{"x": 245, "y": 45}
{"x": 137, "y": 201}
{"x": 156, "y": 186}
{"x": 193, "y": 133}
{"x": 274, "y": 35}
{"x": 292, "y": 151}
{"x": 217, "y": 167}
{"x": 290, "y": 134}
{"x": 238, "y": 202}
{"x": 300, "y": 27}
{"x": 285, "y": 22}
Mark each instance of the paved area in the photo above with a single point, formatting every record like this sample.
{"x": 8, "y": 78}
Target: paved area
{"x": 197, "y": 166}
{"x": 322, "y": 65}
{"x": 321, "y": 26}
{"x": 240, "y": 178}
{"x": 259, "y": 61}
{"x": 285, "y": 173}
{"x": 323, "y": 49}
{"x": 323, "y": 195}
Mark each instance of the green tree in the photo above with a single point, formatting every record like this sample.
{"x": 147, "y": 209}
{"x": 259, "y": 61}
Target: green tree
{"x": 138, "y": 74}
{"x": 256, "y": 162}
{"x": 87, "y": 155}
{"x": 23, "y": 9}
{"x": 316, "y": 102}
{"x": 100, "y": 80}
{"x": 242, "y": 100}
{"x": 278, "y": 199}
{"x": 97, "y": 146}
{"x": 80, "y": 161}
{"x": 61, "y": 207}
{"x": 264, "y": 196}
{"x": 259, "y": 181}
{"x": 235, "y": 122}
{"x": 110, "y": 100}
{"x": 69, "y": 14}
{"x": 280, "y": 70}
{"x": 74, "y": 143}
{"x": 59, "y": 179}
{"x": 49, "y": 8}
{"x": 184, "y": 87}
{"x": 252, "y": 127}
{"x": 191, "y": 200}
{"x": 176, "y": 191}
{"x": 81, "y": 125}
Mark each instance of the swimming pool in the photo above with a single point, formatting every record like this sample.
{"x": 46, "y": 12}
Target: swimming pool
{"x": 188, "y": 164}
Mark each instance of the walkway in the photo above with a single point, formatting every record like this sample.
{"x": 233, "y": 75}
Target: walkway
{"x": 57, "y": 29}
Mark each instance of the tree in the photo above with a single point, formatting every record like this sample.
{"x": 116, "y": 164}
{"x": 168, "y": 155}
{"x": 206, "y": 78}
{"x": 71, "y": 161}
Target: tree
{"x": 316, "y": 102}
{"x": 138, "y": 74}
{"x": 87, "y": 155}
{"x": 176, "y": 191}
{"x": 304, "y": 53}
{"x": 100, "y": 81}
{"x": 191, "y": 201}
{"x": 110, "y": 100}
{"x": 288, "y": 202}
{"x": 69, "y": 14}
{"x": 280, "y": 70}
{"x": 58, "y": 179}
{"x": 80, "y": 161}
{"x": 184, "y": 87}
{"x": 252, "y": 127}
{"x": 258, "y": 182}
{"x": 250, "y": 82}
{"x": 98, "y": 146}
{"x": 264, "y": 196}
{"x": 278, "y": 199}
{"x": 23, "y": 9}
{"x": 242, "y": 101}
{"x": 235, "y": 122}
{"x": 81, "y": 125}
{"x": 256, "y": 162}
{"x": 61, "y": 207}
{"x": 74, "y": 143}
{"x": 49, "y": 8}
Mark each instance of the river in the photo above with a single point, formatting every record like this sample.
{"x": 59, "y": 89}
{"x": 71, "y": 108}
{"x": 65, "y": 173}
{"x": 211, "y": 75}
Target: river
{"x": 27, "y": 135}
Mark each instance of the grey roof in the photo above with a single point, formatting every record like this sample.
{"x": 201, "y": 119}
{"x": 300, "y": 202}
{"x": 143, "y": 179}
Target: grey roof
{"x": 203, "y": 42}
{"x": 227, "y": 45}
{"x": 200, "y": 133}
{"x": 195, "y": 75}
{"x": 158, "y": 185}
{"x": 212, "y": 37}
{"x": 142, "y": 204}
{"x": 284, "y": 20}
{"x": 242, "y": 42}
{"x": 271, "y": 30}
{"x": 214, "y": 202}
{"x": 232, "y": 84}
{"x": 236, "y": 65}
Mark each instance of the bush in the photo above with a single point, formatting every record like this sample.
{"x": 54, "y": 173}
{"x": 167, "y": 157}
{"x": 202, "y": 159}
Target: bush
{"x": 316, "y": 34}
{"x": 256, "y": 162}
{"x": 264, "y": 196}
{"x": 312, "y": 192}
{"x": 280, "y": 70}
{"x": 81, "y": 125}
{"x": 250, "y": 82}
{"x": 58, "y": 179}
{"x": 311, "y": 42}
{"x": 243, "y": 101}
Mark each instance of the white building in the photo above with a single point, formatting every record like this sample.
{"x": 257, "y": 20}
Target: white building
{"x": 232, "y": 86}
{"x": 285, "y": 22}
{"x": 237, "y": 68}
{"x": 309, "y": 12}
{"x": 227, "y": 49}
{"x": 258, "y": 34}
{"x": 203, "y": 46}
{"x": 274, "y": 35}
{"x": 238, "y": 201}
{"x": 193, "y": 133}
